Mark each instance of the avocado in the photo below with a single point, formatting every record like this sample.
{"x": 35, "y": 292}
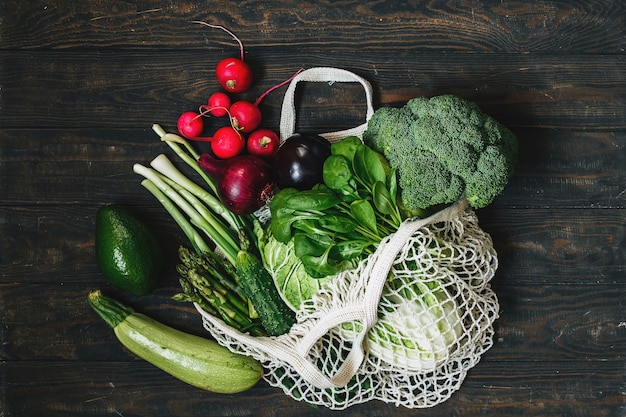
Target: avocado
{"x": 127, "y": 251}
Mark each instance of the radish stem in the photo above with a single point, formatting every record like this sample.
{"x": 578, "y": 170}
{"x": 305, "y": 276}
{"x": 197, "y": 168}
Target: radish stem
{"x": 262, "y": 96}
{"x": 225, "y": 30}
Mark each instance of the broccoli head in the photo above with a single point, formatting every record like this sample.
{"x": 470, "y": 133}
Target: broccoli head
{"x": 443, "y": 148}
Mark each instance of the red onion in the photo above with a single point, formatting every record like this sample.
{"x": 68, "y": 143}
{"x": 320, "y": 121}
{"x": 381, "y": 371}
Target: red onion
{"x": 243, "y": 182}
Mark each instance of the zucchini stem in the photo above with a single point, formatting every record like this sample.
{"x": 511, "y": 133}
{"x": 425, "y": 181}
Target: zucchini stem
{"x": 113, "y": 312}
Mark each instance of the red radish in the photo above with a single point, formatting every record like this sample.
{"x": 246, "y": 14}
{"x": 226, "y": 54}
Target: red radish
{"x": 263, "y": 143}
{"x": 245, "y": 116}
{"x": 233, "y": 74}
{"x": 243, "y": 182}
{"x": 190, "y": 124}
{"x": 227, "y": 142}
{"x": 218, "y": 104}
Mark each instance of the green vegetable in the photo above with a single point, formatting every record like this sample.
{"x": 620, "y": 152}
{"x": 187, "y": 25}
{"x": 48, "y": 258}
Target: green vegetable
{"x": 197, "y": 361}
{"x": 205, "y": 280}
{"x": 185, "y": 200}
{"x": 226, "y": 277}
{"x": 292, "y": 281}
{"x": 444, "y": 148}
{"x": 420, "y": 326}
{"x": 127, "y": 252}
{"x": 257, "y": 284}
{"x": 337, "y": 223}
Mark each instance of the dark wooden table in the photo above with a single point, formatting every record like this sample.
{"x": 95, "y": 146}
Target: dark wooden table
{"x": 81, "y": 83}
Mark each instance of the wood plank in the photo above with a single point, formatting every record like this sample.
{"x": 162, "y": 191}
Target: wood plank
{"x": 574, "y": 169}
{"x": 547, "y": 27}
{"x": 555, "y": 247}
{"x": 75, "y": 166}
{"x": 55, "y": 244}
{"x": 112, "y": 89}
{"x": 506, "y": 389}
{"x": 56, "y": 322}
{"x": 567, "y": 169}
{"x": 537, "y": 322}
{"x": 535, "y": 246}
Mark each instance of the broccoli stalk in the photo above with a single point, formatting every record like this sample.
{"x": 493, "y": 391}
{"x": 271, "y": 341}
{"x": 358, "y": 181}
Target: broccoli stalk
{"x": 444, "y": 148}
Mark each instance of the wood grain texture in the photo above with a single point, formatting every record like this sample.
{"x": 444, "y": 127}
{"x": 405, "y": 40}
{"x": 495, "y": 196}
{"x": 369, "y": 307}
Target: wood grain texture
{"x": 569, "y": 169}
{"x": 135, "y": 389}
{"x": 133, "y": 89}
{"x": 490, "y": 26}
{"x": 532, "y": 319}
{"x": 81, "y": 83}
{"x": 535, "y": 246}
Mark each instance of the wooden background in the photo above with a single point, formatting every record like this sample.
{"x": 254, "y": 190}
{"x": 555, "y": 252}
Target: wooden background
{"x": 81, "y": 83}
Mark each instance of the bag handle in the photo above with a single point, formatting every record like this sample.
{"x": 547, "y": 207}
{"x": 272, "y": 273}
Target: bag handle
{"x": 329, "y": 75}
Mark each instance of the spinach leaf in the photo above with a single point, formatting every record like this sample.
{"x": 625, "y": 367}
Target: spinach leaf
{"x": 311, "y": 245}
{"x": 338, "y": 175}
{"x": 335, "y": 224}
{"x": 323, "y": 265}
{"x": 349, "y": 249}
{"x": 319, "y": 266}
{"x": 278, "y": 201}
{"x": 338, "y": 223}
{"x": 392, "y": 185}
{"x": 382, "y": 199}
{"x": 364, "y": 214}
{"x": 346, "y": 147}
{"x": 317, "y": 199}
{"x": 282, "y": 225}
{"x": 368, "y": 166}
{"x": 309, "y": 226}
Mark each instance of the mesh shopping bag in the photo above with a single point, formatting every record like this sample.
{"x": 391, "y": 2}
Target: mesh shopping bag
{"x": 403, "y": 327}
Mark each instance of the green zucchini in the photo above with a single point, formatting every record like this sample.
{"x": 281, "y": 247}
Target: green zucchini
{"x": 257, "y": 284}
{"x": 195, "y": 360}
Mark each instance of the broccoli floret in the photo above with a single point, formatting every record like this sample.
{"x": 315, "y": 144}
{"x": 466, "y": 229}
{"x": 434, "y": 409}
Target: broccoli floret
{"x": 384, "y": 126}
{"x": 436, "y": 182}
{"x": 443, "y": 148}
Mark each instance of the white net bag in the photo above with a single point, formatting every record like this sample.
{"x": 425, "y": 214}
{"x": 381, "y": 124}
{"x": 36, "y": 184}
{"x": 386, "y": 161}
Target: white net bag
{"x": 404, "y": 327}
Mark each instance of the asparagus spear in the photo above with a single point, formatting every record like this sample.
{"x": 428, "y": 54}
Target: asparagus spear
{"x": 206, "y": 282}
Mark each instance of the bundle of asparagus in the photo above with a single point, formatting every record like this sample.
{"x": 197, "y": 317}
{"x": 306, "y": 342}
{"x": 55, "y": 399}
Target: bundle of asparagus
{"x": 211, "y": 283}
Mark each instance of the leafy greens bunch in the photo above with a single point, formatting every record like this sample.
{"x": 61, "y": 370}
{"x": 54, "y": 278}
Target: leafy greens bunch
{"x": 334, "y": 224}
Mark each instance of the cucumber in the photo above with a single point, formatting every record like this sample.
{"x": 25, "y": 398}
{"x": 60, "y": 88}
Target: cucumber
{"x": 257, "y": 284}
{"x": 195, "y": 360}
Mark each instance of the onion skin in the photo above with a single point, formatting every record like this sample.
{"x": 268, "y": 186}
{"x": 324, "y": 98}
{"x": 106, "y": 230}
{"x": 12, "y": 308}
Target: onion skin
{"x": 243, "y": 182}
{"x": 299, "y": 161}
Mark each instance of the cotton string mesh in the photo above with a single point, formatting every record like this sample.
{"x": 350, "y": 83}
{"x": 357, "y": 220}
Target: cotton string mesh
{"x": 404, "y": 327}
{"x": 347, "y": 348}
